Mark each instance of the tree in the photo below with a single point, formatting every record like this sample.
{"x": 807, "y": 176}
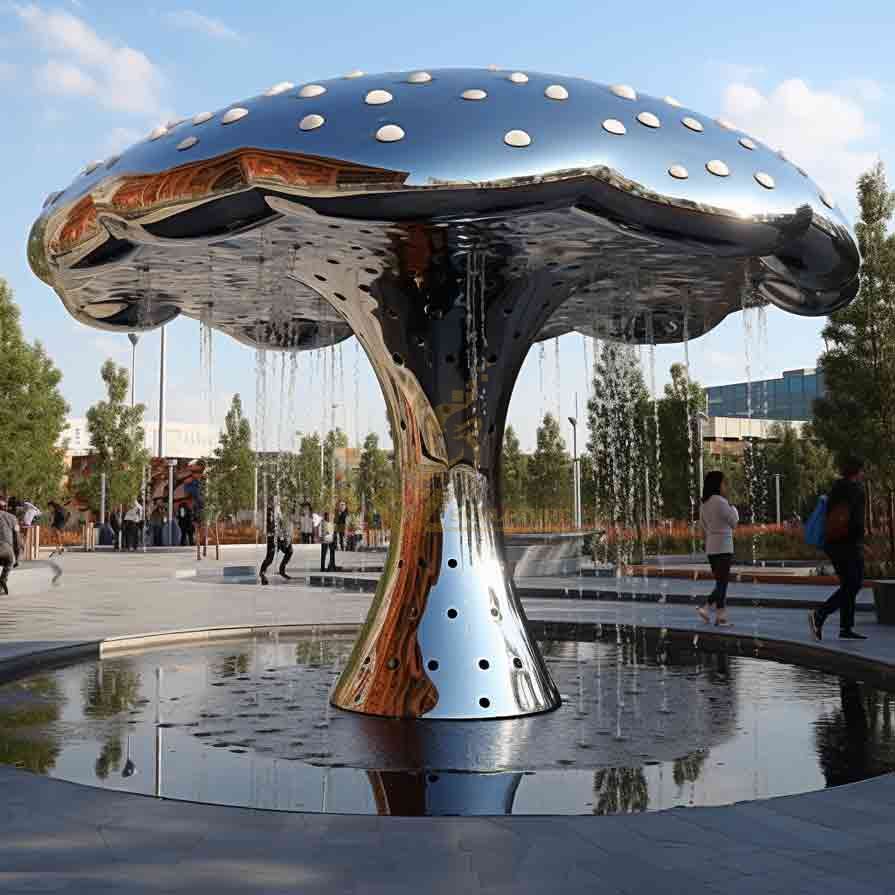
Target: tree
{"x": 116, "y": 439}
{"x": 857, "y": 415}
{"x": 683, "y": 400}
{"x": 619, "y": 422}
{"x": 231, "y": 470}
{"x": 335, "y": 438}
{"x": 309, "y": 474}
{"x": 374, "y": 478}
{"x": 32, "y": 412}
{"x": 514, "y": 472}
{"x": 549, "y": 470}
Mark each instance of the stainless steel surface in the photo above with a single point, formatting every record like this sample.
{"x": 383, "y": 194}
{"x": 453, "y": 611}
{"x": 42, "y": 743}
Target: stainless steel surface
{"x": 449, "y": 219}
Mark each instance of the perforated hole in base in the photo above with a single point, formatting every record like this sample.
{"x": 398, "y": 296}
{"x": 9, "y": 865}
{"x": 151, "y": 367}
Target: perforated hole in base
{"x": 484, "y": 664}
{"x": 485, "y": 703}
{"x": 392, "y": 664}
{"x": 452, "y": 613}
{"x": 452, "y": 563}
{"x": 432, "y": 665}
{"x": 517, "y": 663}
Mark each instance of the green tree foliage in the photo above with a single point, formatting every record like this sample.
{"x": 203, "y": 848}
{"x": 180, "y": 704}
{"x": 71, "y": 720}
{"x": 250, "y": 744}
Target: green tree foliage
{"x": 683, "y": 400}
{"x": 514, "y": 472}
{"x": 374, "y": 476}
{"x": 857, "y": 415}
{"x": 116, "y": 438}
{"x": 619, "y": 446}
{"x": 310, "y": 477}
{"x": 230, "y": 472}
{"x": 550, "y": 471}
{"x": 805, "y": 467}
{"x": 335, "y": 438}
{"x": 32, "y": 412}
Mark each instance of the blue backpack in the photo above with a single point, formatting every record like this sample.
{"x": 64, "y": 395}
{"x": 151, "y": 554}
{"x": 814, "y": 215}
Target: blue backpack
{"x": 816, "y": 526}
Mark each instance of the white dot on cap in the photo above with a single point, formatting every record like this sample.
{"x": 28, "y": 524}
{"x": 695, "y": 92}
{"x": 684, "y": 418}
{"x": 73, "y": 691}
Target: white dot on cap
{"x": 202, "y": 117}
{"x": 556, "y": 91}
{"x": 378, "y": 98}
{"x": 765, "y": 180}
{"x": 678, "y": 172}
{"x": 188, "y": 143}
{"x": 614, "y": 126}
{"x": 234, "y": 114}
{"x": 647, "y": 119}
{"x": 625, "y": 91}
{"x": 746, "y": 143}
{"x": 473, "y": 94}
{"x": 311, "y": 122}
{"x": 419, "y": 77}
{"x": 693, "y": 124}
{"x": 277, "y": 89}
{"x": 91, "y": 167}
{"x": 357, "y": 73}
{"x": 827, "y": 199}
{"x": 673, "y": 102}
{"x": 390, "y": 133}
{"x": 158, "y": 132}
{"x": 518, "y": 77}
{"x": 311, "y": 90}
{"x": 517, "y": 138}
{"x": 717, "y": 167}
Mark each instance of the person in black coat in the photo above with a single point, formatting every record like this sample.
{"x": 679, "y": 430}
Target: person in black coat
{"x": 844, "y": 544}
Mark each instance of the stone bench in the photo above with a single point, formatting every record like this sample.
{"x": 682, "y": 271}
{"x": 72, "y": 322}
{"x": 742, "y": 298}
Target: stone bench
{"x": 884, "y": 601}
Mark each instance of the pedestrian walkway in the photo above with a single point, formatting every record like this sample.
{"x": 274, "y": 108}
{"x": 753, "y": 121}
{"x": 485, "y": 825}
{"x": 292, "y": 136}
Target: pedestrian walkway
{"x": 57, "y": 836}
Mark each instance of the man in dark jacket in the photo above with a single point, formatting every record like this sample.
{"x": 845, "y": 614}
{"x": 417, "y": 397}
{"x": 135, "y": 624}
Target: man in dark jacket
{"x": 844, "y": 544}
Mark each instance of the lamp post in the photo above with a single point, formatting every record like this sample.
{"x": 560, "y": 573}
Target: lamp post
{"x": 161, "y": 397}
{"x": 576, "y": 470}
{"x": 700, "y": 419}
{"x": 777, "y": 490}
{"x": 134, "y": 338}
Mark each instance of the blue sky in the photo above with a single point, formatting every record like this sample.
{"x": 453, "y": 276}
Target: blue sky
{"x": 83, "y": 78}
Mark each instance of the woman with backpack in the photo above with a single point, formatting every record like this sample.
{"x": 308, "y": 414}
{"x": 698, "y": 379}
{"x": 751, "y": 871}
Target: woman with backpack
{"x": 719, "y": 519}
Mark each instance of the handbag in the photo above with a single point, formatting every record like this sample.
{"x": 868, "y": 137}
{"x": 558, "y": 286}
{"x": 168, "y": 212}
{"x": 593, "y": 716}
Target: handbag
{"x": 838, "y": 518}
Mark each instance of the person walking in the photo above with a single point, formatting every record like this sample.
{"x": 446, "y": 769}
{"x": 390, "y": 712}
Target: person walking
{"x": 341, "y": 523}
{"x": 9, "y": 545}
{"x": 57, "y": 526}
{"x": 115, "y": 525}
{"x": 844, "y": 544}
{"x": 306, "y": 523}
{"x": 156, "y": 523}
{"x": 719, "y": 519}
{"x": 327, "y": 544}
{"x": 279, "y": 538}
{"x": 185, "y": 521}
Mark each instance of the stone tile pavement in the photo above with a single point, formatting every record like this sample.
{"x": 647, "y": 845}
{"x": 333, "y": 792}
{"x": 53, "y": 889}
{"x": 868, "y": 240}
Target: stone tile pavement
{"x": 58, "y": 836}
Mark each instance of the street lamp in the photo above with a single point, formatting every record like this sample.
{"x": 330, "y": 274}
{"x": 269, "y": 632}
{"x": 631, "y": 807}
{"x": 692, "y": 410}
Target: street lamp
{"x": 134, "y": 338}
{"x": 576, "y": 470}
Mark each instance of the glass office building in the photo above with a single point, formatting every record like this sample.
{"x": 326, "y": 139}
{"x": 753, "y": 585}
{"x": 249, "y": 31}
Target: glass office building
{"x": 789, "y": 398}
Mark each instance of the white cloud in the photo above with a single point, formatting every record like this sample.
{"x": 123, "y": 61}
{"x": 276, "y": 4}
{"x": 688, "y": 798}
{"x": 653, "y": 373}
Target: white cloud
{"x": 120, "y": 138}
{"x": 823, "y": 131}
{"x": 194, "y": 21}
{"x": 7, "y": 71}
{"x": 81, "y": 63}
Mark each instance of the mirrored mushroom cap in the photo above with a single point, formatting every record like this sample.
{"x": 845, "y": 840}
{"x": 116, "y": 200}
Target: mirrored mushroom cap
{"x": 258, "y": 185}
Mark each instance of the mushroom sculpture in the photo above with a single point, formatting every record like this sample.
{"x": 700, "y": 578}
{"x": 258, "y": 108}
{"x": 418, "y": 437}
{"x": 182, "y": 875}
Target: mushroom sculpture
{"x": 448, "y": 219}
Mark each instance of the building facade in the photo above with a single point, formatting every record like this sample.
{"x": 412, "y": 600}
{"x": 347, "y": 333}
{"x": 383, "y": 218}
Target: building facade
{"x": 791, "y": 397}
{"x": 187, "y": 440}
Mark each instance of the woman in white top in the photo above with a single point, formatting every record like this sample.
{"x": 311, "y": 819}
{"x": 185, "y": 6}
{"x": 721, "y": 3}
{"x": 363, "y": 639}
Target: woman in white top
{"x": 719, "y": 519}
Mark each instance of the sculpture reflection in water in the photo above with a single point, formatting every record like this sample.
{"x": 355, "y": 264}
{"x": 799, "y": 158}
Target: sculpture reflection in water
{"x": 448, "y": 219}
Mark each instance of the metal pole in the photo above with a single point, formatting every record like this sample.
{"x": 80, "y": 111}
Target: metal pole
{"x": 134, "y": 338}
{"x": 102, "y": 498}
{"x": 255, "y": 505}
{"x": 171, "y": 465}
{"x": 777, "y": 488}
{"x": 161, "y": 398}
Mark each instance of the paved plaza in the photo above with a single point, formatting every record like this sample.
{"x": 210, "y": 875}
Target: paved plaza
{"x": 59, "y": 836}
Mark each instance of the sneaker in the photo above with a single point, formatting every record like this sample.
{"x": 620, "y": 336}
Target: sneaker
{"x": 284, "y": 575}
{"x": 816, "y": 625}
{"x": 263, "y": 578}
{"x": 4, "y": 589}
{"x": 851, "y": 635}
